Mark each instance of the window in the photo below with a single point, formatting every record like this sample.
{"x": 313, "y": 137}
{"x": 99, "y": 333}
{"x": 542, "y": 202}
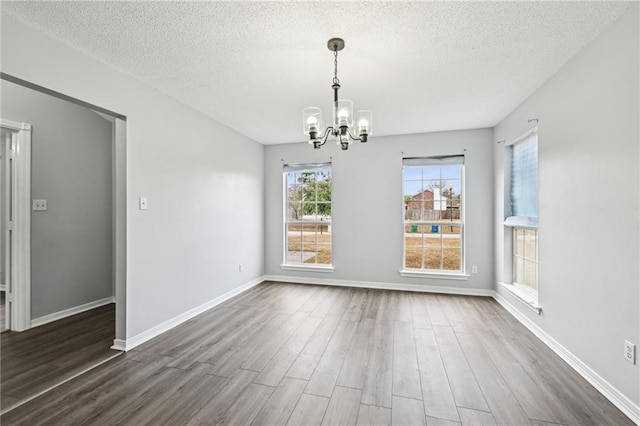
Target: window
{"x": 525, "y": 257}
{"x": 433, "y": 214}
{"x": 523, "y": 220}
{"x": 307, "y": 209}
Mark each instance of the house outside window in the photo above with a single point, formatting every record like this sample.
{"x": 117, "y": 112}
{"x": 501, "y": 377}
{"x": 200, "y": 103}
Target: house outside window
{"x": 433, "y": 206}
{"x": 307, "y": 214}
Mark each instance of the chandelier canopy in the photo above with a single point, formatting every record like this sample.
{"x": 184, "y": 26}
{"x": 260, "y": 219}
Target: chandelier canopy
{"x": 343, "y": 117}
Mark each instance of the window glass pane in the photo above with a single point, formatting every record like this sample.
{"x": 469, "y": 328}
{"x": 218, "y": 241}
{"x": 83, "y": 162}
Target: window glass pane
{"x": 309, "y": 211}
{"x": 451, "y": 258}
{"x": 308, "y": 200}
{"x": 530, "y": 275}
{"x": 530, "y": 237}
{"x": 519, "y": 242}
{"x": 432, "y": 205}
{"x": 294, "y": 234}
{"x": 432, "y": 236}
{"x": 432, "y": 259}
{"x": 519, "y": 270}
{"x": 451, "y": 236}
{"x": 411, "y": 188}
{"x": 324, "y": 254}
{"x": 413, "y": 257}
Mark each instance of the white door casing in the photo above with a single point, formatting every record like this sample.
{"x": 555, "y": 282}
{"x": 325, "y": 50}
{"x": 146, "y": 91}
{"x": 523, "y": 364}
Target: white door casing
{"x": 17, "y": 217}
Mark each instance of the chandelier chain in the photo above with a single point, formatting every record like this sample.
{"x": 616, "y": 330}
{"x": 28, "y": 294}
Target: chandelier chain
{"x": 335, "y": 67}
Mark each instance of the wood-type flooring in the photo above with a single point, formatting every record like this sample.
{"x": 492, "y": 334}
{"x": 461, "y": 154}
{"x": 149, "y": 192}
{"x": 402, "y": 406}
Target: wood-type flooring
{"x": 287, "y": 354}
{"x": 37, "y": 359}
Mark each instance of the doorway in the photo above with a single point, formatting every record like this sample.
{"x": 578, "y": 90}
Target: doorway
{"x": 15, "y": 234}
{"x": 71, "y": 323}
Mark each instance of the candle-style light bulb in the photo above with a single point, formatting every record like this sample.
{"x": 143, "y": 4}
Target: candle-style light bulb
{"x": 343, "y": 116}
{"x": 312, "y": 123}
{"x": 363, "y": 126}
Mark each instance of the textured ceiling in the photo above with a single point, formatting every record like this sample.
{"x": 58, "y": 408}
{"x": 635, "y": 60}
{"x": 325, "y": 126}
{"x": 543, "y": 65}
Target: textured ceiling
{"x": 419, "y": 66}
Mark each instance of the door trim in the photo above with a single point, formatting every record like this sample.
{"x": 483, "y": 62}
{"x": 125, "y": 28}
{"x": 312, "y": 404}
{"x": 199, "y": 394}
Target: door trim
{"x": 19, "y": 226}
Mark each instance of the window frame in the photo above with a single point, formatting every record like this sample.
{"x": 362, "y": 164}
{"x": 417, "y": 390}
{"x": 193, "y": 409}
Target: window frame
{"x": 436, "y": 162}
{"x": 305, "y": 168}
{"x": 513, "y": 224}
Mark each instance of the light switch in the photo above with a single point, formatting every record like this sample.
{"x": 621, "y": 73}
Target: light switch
{"x": 143, "y": 203}
{"x": 39, "y": 205}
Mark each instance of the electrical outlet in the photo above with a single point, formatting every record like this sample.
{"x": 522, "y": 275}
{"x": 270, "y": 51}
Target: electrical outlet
{"x": 144, "y": 203}
{"x": 39, "y": 205}
{"x": 240, "y": 267}
{"x": 630, "y": 352}
{"x": 474, "y": 269}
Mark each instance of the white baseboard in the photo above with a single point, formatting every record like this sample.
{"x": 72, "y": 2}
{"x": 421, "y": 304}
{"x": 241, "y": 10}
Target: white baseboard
{"x": 128, "y": 344}
{"x": 71, "y": 311}
{"x": 466, "y": 291}
{"x": 617, "y": 398}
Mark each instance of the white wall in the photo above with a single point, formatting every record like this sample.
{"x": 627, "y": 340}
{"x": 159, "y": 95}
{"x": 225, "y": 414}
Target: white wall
{"x": 71, "y": 242}
{"x": 203, "y": 180}
{"x": 368, "y": 210}
{"x": 588, "y": 146}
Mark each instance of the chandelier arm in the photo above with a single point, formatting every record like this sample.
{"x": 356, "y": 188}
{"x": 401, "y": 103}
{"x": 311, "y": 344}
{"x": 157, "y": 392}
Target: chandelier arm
{"x": 352, "y": 137}
{"x": 326, "y": 135}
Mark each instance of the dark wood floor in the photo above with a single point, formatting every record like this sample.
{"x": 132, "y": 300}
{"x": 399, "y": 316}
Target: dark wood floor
{"x": 303, "y": 355}
{"x": 36, "y": 359}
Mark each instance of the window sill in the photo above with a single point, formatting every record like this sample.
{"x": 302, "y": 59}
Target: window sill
{"x": 314, "y": 268}
{"x": 523, "y": 295}
{"x": 434, "y": 275}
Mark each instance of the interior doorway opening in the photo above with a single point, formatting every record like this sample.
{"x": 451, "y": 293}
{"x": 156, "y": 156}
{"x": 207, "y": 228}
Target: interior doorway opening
{"x": 56, "y": 213}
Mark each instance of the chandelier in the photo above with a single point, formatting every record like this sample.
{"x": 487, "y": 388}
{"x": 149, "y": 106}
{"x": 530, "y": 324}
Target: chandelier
{"x": 343, "y": 117}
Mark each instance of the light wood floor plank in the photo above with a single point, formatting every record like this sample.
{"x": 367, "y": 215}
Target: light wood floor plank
{"x": 278, "y": 366}
{"x": 304, "y": 366}
{"x": 248, "y": 404}
{"x": 435, "y": 421}
{"x": 343, "y": 407}
{"x": 264, "y": 351}
{"x": 406, "y": 376}
{"x": 326, "y": 374}
{"x": 504, "y": 406}
{"x": 309, "y": 411}
{"x": 378, "y": 381}
{"x": 246, "y": 344}
{"x": 475, "y": 418}
{"x": 281, "y": 404}
{"x": 406, "y": 411}
{"x": 435, "y": 311}
{"x": 355, "y": 363}
{"x": 536, "y": 403}
{"x": 330, "y": 298}
{"x": 454, "y": 313}
{"x": 371, "y": 415}
{"x": 218, "y": 408}
{"x": 419, "y": 312}
{"x": 436, "y": 392}
{"x": 355, "y": 308}
{"x": 466, "y": 391}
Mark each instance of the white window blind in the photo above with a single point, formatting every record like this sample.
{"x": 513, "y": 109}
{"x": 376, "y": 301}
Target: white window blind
{"x": 524, "y": 183}
{"x": 433, "y": 161}
{"x": 307, "y": 167}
